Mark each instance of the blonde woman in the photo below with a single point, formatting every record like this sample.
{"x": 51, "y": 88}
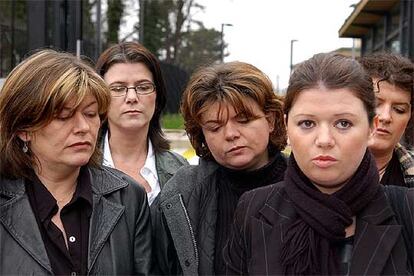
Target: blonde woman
{"x": 60, "y": 211}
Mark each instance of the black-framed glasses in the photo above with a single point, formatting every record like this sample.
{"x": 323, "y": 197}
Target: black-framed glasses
{"x": 144, "y": 88}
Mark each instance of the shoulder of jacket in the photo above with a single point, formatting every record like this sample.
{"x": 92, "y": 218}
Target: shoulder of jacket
{"x": 107, "y": 180}
{"x": 270, "y": 195}
{"x": 172, "y": 156}
{"x": 188, "y": 178}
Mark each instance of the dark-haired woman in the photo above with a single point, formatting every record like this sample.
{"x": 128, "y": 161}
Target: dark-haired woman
{"x": 329, "y": 216}
{"x": 393, "y": 78}
{"x": 132, "y": 139}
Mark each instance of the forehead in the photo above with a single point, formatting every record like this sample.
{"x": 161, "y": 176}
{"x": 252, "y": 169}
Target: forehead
{"x": 323, "y": 101}
{"x": 391, "y": 92}
{"x": 128, "y": 71}
{"x": 224, "y": 110}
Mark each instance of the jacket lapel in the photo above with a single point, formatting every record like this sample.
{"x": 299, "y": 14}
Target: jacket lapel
{"x": 105, "y": 214}
{"x": 166, "y": 167}
{"x": 374, "y": 242}
{"x": 17, "y": 218}
{"x": 271, "y": 225}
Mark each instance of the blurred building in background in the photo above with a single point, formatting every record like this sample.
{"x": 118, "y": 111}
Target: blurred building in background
{"x": 382, "y": 25}
{"x": 82, "y": 27}
{"x": 61, "y": 24}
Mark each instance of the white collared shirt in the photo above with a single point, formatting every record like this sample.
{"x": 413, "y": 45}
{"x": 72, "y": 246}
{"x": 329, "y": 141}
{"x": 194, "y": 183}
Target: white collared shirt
{"x": 148, "y": 171}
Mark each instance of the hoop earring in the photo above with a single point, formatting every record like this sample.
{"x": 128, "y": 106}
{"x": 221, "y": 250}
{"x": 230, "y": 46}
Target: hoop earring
{"x": 25, "y": 147}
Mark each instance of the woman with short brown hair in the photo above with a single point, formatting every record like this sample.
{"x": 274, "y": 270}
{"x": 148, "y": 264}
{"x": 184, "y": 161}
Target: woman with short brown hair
{"x": 62, "y": 213}
{"x": 393, "y": 79}
{"x": 234, "y": 121}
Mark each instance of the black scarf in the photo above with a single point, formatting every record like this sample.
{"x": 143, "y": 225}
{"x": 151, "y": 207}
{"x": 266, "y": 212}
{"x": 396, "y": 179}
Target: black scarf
{"x": 322, "y": 217}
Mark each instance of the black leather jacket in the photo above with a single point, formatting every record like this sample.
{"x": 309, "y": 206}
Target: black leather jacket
{"x": 119, "y": 235}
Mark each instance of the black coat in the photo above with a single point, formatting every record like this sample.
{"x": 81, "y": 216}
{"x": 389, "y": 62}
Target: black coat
{"x": 263, "y": 214}
{"x": 119, "y": 232}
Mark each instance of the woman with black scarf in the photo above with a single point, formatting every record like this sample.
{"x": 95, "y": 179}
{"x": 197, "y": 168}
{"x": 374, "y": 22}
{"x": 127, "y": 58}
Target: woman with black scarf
{"x": 329, "y": 216}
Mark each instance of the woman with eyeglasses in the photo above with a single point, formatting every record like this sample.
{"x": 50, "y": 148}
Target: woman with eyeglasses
{"x": 132, "y": 138}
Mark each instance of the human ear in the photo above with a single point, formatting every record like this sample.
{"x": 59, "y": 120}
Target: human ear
{"x": 24, "y": 136}
{"x": 372, "y": 130}
{"x": 285, "y": 119}
{"x": 271, "y": 117}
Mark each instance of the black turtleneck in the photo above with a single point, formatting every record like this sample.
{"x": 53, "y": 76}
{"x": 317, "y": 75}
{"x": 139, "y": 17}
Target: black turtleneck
{"x": 231, "y": 185}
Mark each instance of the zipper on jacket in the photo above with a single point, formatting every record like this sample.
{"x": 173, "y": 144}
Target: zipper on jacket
{"x": 191, "y": 231}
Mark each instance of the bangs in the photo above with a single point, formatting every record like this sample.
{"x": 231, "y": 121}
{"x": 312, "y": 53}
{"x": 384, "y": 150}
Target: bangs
{"x": 242, "y": 104}
{"x": 74, "y": 86}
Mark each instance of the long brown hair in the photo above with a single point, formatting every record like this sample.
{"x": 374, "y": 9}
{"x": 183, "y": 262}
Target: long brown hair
{"x": 132, "y": 52}
{"x": 34, "y": 92}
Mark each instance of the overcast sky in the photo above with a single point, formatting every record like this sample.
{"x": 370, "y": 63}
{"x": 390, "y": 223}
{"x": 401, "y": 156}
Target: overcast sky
{"x": 262, "y": 30}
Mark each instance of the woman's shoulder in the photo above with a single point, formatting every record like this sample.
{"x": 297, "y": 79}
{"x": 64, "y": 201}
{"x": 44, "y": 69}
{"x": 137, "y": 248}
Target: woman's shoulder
{"x": 169, "y": 161}
{"x": 405, "y": 156}
{"x": 189, "y": 178}
{"x": 106, "y": 180}
{"x": 273, "y": 195}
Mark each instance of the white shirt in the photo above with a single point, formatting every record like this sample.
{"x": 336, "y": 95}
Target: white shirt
{"x": 148, "y": 171}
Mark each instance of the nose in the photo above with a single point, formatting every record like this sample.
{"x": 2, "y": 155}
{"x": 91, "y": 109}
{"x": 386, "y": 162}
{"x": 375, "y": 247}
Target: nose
{"x": 81, "y": 124}
{"x": 231, "y": 131}
{"x": 384, "y": 113}
{"x": 131, "y": 96}
{"x": 324, "y": 137}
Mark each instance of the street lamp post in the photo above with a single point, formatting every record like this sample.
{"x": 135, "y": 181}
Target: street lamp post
{"x": 291, "y": 54}
{"x": 222, "y": 40}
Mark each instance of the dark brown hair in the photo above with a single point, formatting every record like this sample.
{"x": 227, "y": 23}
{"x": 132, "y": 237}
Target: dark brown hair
{"x": 132, "y": 52}
{"x": 230, "y": 83}
{"x": 33, "y": 93}
{"x": 332, "y": 71}
{"x": 398, "y": 71}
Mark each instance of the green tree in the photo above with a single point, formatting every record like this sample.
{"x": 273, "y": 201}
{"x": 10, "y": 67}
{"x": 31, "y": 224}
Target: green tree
{"x": 201, "y": 47}
{"x": 175, "y": 37}
{"x": 114, "y": 15}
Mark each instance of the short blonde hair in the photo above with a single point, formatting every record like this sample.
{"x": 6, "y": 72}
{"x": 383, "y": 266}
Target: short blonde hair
{"x": 232, "y": 83}
{"x": 34, "y": 93}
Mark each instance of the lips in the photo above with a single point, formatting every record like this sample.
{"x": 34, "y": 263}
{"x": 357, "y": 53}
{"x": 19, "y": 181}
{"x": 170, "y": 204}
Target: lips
{"x": 234, "y": 149}
{"x": 81, "y": 144}
{"x": 382, "y": 131}
{"x": 324, "y": 161}
{"x": 134, "y": 111}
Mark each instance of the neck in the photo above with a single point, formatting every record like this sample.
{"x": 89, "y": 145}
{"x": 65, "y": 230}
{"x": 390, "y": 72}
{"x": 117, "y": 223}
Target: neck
{"x": 61, "y": 183}
{"x": 129, "y": 145}
{"x": 382, "y": 158}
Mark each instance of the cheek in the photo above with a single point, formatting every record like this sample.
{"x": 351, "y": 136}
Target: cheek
{"x": 114, "y": 107}
{"x": 403, "y": 122}
{"x": 95, "y": 125}
{"x": 213, "y": 142}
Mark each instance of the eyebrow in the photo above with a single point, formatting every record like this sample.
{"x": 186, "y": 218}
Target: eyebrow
{"x": 213, "y": 122}
{"x": 397, "y": 103}
{"x": 136, "y": 82}
{"x": 336, "y": 114}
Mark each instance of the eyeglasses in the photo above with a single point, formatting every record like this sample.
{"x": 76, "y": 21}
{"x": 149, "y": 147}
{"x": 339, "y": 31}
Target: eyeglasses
{"x": 141, "y": 89}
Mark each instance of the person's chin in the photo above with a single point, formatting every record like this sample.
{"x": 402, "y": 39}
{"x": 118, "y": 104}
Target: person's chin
{"x": 240, "y": 164}
{"x": 382, "y": 145}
